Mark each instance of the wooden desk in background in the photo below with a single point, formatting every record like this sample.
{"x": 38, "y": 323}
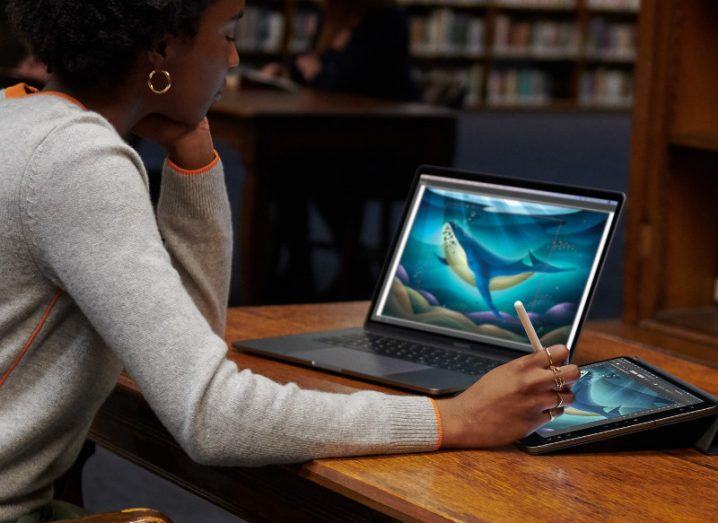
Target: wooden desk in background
{"x": 267, "y": 125}
{"x": 478, "y": 485}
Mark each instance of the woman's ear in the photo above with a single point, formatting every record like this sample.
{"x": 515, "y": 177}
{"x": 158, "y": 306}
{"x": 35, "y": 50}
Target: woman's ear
{"x": 158, "y": 54}
{"x": 166, "y": 50}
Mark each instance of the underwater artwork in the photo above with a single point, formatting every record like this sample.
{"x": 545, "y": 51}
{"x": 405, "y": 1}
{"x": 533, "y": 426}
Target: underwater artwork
{"x": 469, "y": 257}
{"x": 602, "y": 393}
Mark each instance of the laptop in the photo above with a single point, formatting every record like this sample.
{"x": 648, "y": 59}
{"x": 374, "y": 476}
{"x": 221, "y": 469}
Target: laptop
{"x": 468, "y": 247}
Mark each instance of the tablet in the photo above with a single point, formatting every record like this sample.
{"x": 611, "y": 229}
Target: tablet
{"x": 616, "y": 397}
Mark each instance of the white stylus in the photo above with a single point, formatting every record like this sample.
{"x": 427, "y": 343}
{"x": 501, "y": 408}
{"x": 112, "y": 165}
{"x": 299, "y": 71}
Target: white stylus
{"x": 528, "y": 327}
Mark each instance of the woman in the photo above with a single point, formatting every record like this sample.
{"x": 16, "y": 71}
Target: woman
{"x": 361, "y": 47}
{"x": 93, "y": 281}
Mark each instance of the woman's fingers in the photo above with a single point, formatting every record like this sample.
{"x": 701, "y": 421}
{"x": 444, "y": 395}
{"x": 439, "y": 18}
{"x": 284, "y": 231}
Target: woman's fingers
{"x": 554, "y": 378}
{"x": 552, "y": 414}
{"x": 556, "y": 354}
{"x": 554, "y": 400}
{"x": 559, "y": 354}
{"x": 566, "y": 375}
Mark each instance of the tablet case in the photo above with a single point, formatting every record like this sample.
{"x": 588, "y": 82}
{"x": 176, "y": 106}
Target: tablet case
{"x": 701, "y": 433}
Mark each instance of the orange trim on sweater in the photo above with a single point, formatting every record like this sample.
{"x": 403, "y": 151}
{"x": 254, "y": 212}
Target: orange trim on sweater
{"x": 19, "y": 91}
{"x": 440, "y": 439}
{"x": 22, "y": 90}
{"x": 201, "y": 170}
{"x": 32, "y": 337}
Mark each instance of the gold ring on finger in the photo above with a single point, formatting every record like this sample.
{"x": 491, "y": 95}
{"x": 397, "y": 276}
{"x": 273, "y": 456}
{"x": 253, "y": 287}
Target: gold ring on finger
{"x": 550, "y": 359}
{"x": 560, "y": 400}
{"x": 558, "y": 379}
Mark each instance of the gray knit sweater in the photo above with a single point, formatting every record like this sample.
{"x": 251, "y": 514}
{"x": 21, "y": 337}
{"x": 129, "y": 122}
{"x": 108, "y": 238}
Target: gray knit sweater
{"x": 92, "y": 280}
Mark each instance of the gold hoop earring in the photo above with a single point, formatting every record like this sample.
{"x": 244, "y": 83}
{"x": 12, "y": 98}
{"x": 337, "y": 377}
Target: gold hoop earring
{"x": 168, "y": 78}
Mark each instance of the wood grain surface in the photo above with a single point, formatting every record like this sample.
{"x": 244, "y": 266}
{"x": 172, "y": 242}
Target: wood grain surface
{"x": 478, "y": 485}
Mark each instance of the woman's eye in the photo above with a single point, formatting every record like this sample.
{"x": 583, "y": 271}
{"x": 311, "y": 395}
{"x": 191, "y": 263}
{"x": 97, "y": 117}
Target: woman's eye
{"x": 231, "y": 38}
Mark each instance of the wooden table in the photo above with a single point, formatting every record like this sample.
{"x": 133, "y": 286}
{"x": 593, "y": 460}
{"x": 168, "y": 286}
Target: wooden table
{"x": 272, "y": 129}
{"x": 478, "y": 485}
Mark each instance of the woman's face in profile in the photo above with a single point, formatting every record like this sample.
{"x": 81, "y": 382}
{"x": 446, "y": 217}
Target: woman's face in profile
{"x": 199, "y": 65}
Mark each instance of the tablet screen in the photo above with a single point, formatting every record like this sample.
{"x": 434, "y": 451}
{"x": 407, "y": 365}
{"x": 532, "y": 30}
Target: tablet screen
{"x": 616, "y": 390}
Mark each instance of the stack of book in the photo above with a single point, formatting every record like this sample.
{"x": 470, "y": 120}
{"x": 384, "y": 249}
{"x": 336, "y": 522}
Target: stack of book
{"x": 611, "y": 40}
{"x": 525, "y": 86}
{"x": 606, "y": 88}
{"x": 445, "y": 32}
{"x": 260, "y": 30}
{"x": 535, "y": 39}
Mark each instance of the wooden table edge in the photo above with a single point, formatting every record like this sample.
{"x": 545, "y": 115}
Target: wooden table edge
{"x": 320, "y": 473}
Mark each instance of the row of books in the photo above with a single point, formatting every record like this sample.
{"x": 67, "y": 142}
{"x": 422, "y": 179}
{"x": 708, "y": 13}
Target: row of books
{"x": 447, "y": 32}
{"x": 448, "y": 3}
{"x": 547, "y": 4}
{"x": 618, "y": 5}
{"x": 461, "y": 87}
{"x": 524, "y": 86}
{"x": 261, "y": 29}
{"x": 539, "y": 37}
{"x": 606, "y": 88}
{"x": 611, "y": 39}
{"x": 304, "y": 28}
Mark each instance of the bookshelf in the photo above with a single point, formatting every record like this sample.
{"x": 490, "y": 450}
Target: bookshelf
{"x": 495, "y": 54}
{"x": 671, "y": 269}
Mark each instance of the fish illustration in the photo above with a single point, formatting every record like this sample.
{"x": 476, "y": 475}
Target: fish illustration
{"x": 483, "y": 269}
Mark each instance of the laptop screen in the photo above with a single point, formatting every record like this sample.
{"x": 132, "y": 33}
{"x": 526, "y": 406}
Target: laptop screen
{"x": 469, "y": 250}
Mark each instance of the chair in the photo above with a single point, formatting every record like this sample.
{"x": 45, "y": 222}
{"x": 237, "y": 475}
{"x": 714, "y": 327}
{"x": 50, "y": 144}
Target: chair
{"x": 68, "y": 488}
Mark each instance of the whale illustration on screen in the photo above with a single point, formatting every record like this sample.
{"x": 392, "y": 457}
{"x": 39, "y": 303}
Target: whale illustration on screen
{"x": 610, "y": 393}
{"x": 602, "y": 393}
{"x": 468, "y": 257}
{"x": 483, "y": 269}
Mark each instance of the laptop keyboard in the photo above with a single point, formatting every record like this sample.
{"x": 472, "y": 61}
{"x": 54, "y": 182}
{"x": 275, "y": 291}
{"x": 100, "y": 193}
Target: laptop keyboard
{"x": 414, "y": 352}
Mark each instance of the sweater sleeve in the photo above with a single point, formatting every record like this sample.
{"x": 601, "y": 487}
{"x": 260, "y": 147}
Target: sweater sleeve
{"x": 89, "y": 223}
{"x": 194, "y": 220}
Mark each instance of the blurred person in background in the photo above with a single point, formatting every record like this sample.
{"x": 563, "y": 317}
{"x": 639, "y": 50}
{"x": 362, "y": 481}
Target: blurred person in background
{"x": 360, "y": 47}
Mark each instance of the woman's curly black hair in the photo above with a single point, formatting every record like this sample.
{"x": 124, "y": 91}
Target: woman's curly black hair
{"x": 95, "y": 43}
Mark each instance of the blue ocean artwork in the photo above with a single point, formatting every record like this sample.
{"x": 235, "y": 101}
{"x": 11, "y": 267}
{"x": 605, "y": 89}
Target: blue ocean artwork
{"x": 604, "y": 393}
{"x": 469, "y": 257}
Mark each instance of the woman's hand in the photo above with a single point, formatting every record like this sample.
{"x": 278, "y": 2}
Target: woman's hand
{"x": 309, "y": 65}
{"x": 189, "y": 147}
{"x": 508, "y": 403}
{"x": 274, "y": 69}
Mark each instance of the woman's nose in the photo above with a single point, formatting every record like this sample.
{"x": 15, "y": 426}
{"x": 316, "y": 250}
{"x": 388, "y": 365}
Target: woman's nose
{"x": 234, "y": 58}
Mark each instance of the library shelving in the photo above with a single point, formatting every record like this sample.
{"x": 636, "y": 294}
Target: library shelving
{"x": 671, "y": 271}
{"x": 486, "y": 54}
